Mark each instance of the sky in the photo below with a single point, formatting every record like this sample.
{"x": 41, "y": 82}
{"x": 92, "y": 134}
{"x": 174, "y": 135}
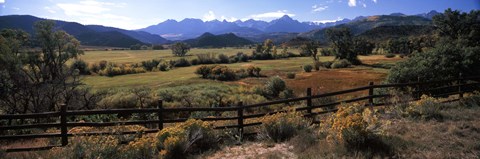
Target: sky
{"x": 136, "y": 14}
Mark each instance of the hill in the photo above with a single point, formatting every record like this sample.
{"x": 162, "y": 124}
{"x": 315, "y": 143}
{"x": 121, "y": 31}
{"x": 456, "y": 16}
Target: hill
{"x": 360, "y": 26}
{"x": 387, "y": 32}
{"x": 223, "y": 40}
{"x": 88, "y": 35}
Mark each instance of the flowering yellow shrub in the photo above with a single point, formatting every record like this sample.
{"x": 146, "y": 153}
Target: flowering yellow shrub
{"x": 185, "y": 138}
{"x": 425, "y": 108}
{"x": 351, "y": 125}
{"x": 282, "y": 126}
{"x": 143, "y": 147}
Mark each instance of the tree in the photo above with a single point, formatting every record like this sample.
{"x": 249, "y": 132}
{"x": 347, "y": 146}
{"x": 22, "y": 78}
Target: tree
{"x": 341, "y": 39}
{"x": 362, "y": 46}
{"x": 455, "y": 52}
{"x": 180, "y": 49}
{"x": 460, "y": 27}
{"x": 37, "y": 80}
{"x": 310, "y": 49}
{"x": 263, "y": 52}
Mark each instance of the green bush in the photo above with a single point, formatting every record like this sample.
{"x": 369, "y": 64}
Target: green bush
{"x": 274, "y": 87}
{"x": 164, "y": 66}
{"x": 182, "y": 62}
{"x": 307, "y": 68}
{"x": 327, "y": 64}
{"x": 216, "y": 72}
{"x": 254, "y": 71}
{"x": 81, "y": 66}
{"x": 389, "y": 55}
{"x": 426, "y": 108}
{"x": 208, "y": 58}
{"x": 222, "y": 58}
{"x": 194, "y": 62}
{"x": 282, "y": 126}
{"x": 291, "y": 75}
{"x": 204, "y": 70}
{"x": 443, "y": 62}
{"x": 150, "y": 65}
{"x": 341, "y": 64}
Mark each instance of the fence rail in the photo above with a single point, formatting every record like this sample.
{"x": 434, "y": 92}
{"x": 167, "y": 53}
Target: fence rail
{"x": 451, "y": 87}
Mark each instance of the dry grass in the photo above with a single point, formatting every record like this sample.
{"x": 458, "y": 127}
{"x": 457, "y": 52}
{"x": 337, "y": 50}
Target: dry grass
{"x": 254, "y": 151}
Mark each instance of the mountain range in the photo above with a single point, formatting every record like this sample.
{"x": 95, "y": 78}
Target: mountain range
{"x": 92, "y": 35}
{"x": 279, "y": 30}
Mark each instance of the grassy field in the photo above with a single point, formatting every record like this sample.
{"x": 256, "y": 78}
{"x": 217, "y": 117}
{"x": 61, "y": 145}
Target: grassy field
{"x": 135, "y": 56}
{"x": 322, "y": 81}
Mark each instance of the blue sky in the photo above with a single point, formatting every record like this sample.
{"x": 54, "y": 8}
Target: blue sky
{"x": 135, "y": 14}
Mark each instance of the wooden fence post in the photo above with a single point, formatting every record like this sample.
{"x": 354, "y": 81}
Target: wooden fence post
{"x": 460, "y": 82}
{"x": 370, "y": 93}
{"x": 160, "y": 115}
{"x": 63, "y": 124}
{"x": 309, "y": 101}
{"x": 240, "y": 119}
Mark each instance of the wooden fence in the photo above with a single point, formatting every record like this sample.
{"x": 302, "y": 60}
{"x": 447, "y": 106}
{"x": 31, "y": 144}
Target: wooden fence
{"x": 442, "y": 88}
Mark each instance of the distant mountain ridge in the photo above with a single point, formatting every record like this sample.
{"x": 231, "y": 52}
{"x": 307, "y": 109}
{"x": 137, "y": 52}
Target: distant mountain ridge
{"x": 222, "y": 40}
{"x": 191, "y": 28}
{"x": 93, "y": 35}
{"x": 360, "y": 26}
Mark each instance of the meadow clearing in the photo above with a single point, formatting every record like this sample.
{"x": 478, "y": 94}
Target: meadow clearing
{"x": 325, "y": 80}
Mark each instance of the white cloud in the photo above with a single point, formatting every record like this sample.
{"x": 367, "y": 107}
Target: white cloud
{"x": 50, "y": 10}
{"x": 269, "y": 15}
{"x": 96, "y": 12}
{"x": 352, "y": 3}
{"x": 2, "y": 1}
{"x": 319, "y": 8}
{"x": 15, "y": 8}
{"x": 364, "y": 5}
{"x": 327, "y": 21}
{"x": 374, "y": 1}
{"x": 209, "y": 16}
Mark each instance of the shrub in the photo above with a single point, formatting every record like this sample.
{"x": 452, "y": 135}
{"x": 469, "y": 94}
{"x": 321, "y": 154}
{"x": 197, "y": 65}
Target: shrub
{"x": 437, "y": 64}
{"x": 164, "y": 66}
{"x": 254, "y": 71}
{"x": 94, "y": 67}
{"x": 190, "y": 137}
{"x": 216, "y": 72}
{"x": 204, "y": 70}
{"x": 274, "y": 86}
{"x": 222, "y": 73}
{"x": 471, "y": 100}
{"x": 242, "y": 57}
{"x": 182, "y": 62}
{"x": 282, "y": 126}
{"x": 341, "y": 64}
{"x": 81, "y": 66}
{"x": 389, "y": 55}
{"x": 307, "y": 68}
{"x": 103, "y": 64}
{"x": 194, "y": 62}
{"x": 327, "y": 64}
{"x": 291, "y": 75}
{"x": 208, "y": 58}
{"x": 222, "y": 58}
{"x": 150, "y": 65}
{"x": 352, "y": 126}
{"x": 100, "y": 146}
{"x": 426, "y": 108}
